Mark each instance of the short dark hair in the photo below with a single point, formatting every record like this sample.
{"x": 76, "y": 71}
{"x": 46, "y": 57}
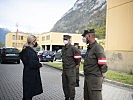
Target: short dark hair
{"x": 76, "y": 44}
{"x": 66, "y": 37}
{"x": 90, "y": 31}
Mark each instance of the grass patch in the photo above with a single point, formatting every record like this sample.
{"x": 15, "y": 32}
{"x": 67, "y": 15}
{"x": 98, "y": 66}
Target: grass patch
{"x": 120, "y": 77}
{"x": 112, "y": 75}
{"x": 57, "y": 65}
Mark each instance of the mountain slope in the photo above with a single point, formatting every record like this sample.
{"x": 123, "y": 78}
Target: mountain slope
{"x": 83, "y": 13}
{"x": 3, "y": 32}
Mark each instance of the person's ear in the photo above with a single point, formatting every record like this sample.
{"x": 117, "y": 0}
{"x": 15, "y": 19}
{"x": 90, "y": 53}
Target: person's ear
{"x": 69, "y": 40}
{"x": 87, "y": 36}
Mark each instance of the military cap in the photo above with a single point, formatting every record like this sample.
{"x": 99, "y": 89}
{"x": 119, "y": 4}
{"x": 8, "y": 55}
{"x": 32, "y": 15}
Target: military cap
{"x": 66, "y": 37}
{"x": 88, "y": 31}
{"x": 76, "y": 44}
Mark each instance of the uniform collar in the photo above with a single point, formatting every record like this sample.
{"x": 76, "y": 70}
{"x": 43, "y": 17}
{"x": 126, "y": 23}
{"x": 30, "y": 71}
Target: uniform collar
{"x": 67, "y": 46}
{"x": 91, "y": 45}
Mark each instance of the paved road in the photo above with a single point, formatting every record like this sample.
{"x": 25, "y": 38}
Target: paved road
{"x": 11, "y": 85}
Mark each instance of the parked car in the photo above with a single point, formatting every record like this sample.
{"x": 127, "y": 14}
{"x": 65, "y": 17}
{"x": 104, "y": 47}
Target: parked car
{"x": 58, "y": 55}
{"x": 83, "y": 52}
{"x": 39, "y": 53}
{"x": 9, "y": 55}
{"x": 47, "y": 56}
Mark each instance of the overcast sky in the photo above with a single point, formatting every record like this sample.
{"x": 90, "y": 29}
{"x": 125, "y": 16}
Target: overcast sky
{"x": 32, "y": 15}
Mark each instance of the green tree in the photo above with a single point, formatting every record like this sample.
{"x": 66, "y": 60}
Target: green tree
{"x": 100, "y": 30}
{"x": 1, "y": 45}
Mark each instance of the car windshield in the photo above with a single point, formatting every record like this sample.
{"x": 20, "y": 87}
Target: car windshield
{"x": 10, "y": 50}
{"x": 48, "y": 52}
{"x": 83, "y": 51}
{"x": 59, "y": 51}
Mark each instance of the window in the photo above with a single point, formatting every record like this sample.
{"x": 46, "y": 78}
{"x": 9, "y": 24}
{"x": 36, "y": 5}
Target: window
{"x": 14, "y": 37}
{"x": 13, "y": 44}
{"x": 22, "y": 37}
{"x": 43, "y": 38}
{"x": 48, "y": 37}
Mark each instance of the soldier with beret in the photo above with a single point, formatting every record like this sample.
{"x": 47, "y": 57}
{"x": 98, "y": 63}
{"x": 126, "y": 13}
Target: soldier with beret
{"x": 70, "y": 58}
{"x": 95, "y": 67}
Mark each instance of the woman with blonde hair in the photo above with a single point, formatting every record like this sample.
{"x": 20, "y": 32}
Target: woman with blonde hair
{"x": 32, "y": 84}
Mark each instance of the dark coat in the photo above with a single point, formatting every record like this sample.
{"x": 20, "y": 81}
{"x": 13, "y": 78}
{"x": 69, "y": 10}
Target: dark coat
{"x": 32, "y": 84}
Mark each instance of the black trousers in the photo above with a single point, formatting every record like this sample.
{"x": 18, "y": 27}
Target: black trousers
{"x": 27, "y": 98}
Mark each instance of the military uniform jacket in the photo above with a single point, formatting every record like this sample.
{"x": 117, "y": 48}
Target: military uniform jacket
{"x": 94, "y": 60}
{"x": 70, "y": 57}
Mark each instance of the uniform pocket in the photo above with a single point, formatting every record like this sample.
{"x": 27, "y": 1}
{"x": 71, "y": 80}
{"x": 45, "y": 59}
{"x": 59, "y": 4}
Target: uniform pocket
{"x": 90, "y": 60}
{"x": 92, "y": 57}
{"x": 96, "y": 83}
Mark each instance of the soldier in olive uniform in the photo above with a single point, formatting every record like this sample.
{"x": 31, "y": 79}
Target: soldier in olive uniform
{"x": 77, "y": 66}
{"x": 70, "y": 58}
{"x": 94, "y": 67}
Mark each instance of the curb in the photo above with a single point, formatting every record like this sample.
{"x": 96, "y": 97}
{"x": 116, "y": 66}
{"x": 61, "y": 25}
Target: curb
{"x": 119, "y": 83}
{"x": 105, "y": 80}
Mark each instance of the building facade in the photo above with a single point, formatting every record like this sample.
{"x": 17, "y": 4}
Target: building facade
{"x": 119, "y": 35}
{"x": 15, "y": 41}
{"x": 54, "y": 41}
{"x": 47, "y": 41}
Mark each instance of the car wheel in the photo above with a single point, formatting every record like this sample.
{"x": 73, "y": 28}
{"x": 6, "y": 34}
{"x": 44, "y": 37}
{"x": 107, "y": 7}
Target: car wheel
{"x": 40, "y": 60}
{"x": 18, "y": 62}
{"x": 2, "y": 62}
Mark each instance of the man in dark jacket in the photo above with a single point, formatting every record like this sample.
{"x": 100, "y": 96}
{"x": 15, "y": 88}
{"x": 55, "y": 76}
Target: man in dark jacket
{"x": 94, "y": 67}
{"x": 70, "y": 58}
{"x": 32, "y": 84}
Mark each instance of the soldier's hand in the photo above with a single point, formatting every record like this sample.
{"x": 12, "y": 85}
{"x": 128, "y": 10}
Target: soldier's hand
{"x": 40, "y": 65}
{"x": 77, "y": 66}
